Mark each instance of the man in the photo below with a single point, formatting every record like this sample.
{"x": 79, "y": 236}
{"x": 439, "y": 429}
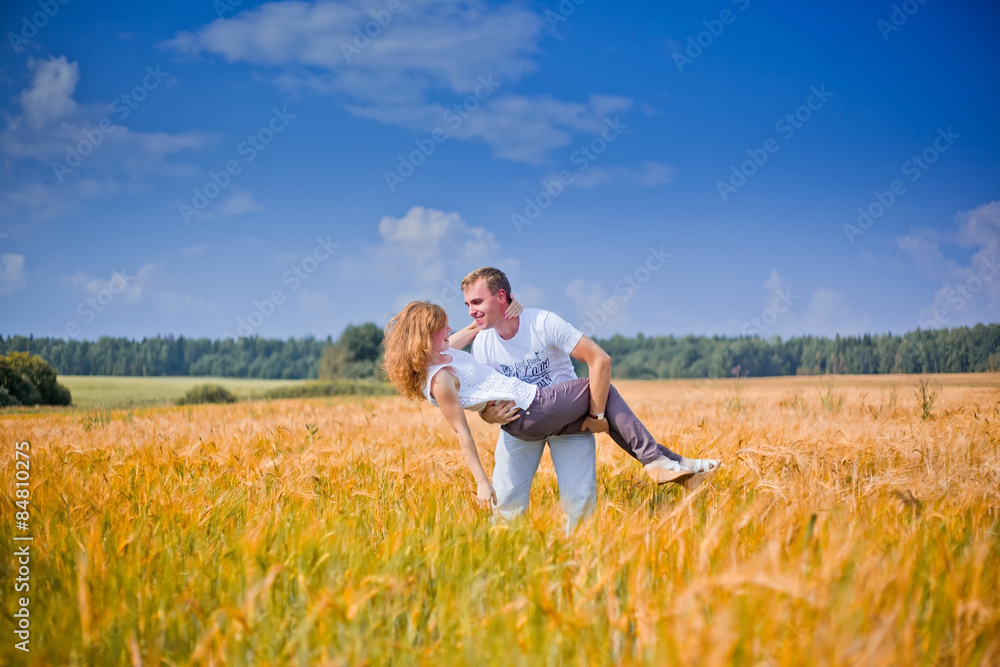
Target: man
{"x": 537, "y": 347}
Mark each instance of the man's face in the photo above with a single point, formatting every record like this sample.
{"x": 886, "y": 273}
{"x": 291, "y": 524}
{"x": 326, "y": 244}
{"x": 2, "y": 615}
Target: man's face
{"x": 485, "y": 308}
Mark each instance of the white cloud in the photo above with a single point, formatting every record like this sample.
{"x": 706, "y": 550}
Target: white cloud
{"x": 13, "y": 277}
{"x": 783, "y": 312}
{"x": 43, "y": 201}
{"x": 829, "y": 313}
{"x": 529, "y": 295}
{"x": 127, "y": 287}
{"x": 430, "y": 44}
{"x": 968, "y": 293}
{"x": 423, "y": 254}
{"x": 649, "y": 174}
{"x": 516, "y": 127}
{"x": 50, "y": 96}
{"x": 135, "y": 289}
{"x": 52, "y": 127}
{"x": 237, "y": 203}
{"x": 653, "y": 174}
{"x": 91, "y": 188}
{"x": 426, "y": 59}
{"x": 427, "y": 243}
{"x": 599, "y": 313}
{"x": 776, "y": 282}
{"x": 585, "y": 295}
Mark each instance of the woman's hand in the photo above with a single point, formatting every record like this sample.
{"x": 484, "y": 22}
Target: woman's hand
{"x": 513, "y": 310}
{"x": 486, "y": 495}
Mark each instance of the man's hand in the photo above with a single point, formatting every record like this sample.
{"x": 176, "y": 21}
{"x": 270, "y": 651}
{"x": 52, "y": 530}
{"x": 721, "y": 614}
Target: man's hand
{"x": 595, "y": 425}
{"x": 500, "y": 412}
{"x": 486, "y": 495}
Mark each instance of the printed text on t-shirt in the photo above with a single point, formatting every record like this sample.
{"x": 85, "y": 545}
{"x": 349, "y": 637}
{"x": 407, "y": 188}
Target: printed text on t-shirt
{"x": 534, "y": 371}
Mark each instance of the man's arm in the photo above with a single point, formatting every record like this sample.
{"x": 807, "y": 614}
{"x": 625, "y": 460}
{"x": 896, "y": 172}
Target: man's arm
{"x": 599, "y": 365}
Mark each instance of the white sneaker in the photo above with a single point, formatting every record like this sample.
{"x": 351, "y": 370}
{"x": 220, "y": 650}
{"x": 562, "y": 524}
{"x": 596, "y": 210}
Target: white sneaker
{"x": 700, "y": 465}
{"x": 664, "y": 470}
{"x": 702, "y": 469}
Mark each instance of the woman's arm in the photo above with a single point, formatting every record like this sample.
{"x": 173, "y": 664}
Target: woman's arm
{"x": 462, "y": 337}
{"x": 444, "y": 387}
{"x": 459, "y": 339}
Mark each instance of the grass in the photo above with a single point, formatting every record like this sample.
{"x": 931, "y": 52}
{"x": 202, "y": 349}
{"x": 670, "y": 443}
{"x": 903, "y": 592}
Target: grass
{"x": 342, "y": 531}
{"x": 93, "y": 391}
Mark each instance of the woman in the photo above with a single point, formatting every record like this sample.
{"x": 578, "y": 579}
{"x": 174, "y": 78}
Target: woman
{"x": 421, "y": 362}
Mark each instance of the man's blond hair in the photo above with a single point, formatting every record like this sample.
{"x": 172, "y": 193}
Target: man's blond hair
{"x": 495, "y": 280}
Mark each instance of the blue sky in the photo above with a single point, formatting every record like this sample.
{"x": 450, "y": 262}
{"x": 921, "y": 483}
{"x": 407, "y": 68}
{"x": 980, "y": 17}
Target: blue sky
{"x": 638, "y": 167}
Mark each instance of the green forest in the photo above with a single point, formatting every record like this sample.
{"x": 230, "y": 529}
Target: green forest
{"x": 355, "y": 354}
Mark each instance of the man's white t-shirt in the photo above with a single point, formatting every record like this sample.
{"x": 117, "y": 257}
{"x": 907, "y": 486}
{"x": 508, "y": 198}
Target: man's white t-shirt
{"x": 538, "y": 353}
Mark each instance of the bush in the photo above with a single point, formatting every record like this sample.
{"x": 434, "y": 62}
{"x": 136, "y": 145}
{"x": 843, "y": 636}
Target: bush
{"x": 6, "y": 400}
{"x": 29, "y": 380}
{"x": 332, "y": 388}
{"x": 207, "y": 393}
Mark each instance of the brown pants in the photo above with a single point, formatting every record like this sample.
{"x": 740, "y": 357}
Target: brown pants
{"x": 562, "y": 408}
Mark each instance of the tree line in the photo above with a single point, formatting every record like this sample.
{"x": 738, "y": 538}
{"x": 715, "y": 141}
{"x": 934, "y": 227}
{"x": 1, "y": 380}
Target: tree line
{"x": 958, "y": 350}
{"x": 356, "y": 354}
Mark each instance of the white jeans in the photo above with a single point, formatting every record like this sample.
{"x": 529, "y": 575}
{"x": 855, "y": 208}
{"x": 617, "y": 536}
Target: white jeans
{"x": 574, "y": 458}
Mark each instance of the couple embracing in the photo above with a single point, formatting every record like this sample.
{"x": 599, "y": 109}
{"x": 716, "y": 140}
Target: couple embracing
{"x": 520, "y": 375}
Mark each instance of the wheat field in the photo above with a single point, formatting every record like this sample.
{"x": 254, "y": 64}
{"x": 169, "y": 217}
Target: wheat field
{"x": 844, "y": 528}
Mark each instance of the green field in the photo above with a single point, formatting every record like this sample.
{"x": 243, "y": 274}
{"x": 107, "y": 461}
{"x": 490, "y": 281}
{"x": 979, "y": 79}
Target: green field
{"x": 104, "y": 391}
{"x": 91, "y": 391}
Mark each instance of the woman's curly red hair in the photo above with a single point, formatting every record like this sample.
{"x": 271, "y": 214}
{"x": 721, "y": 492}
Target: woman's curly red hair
{"x": 408, "y": 347}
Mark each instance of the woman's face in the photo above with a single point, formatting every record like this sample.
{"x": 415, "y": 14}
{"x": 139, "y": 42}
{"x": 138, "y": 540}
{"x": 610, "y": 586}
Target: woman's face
{"x": 440, "y": 339}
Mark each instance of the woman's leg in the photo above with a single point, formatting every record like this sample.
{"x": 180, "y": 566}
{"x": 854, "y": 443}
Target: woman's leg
{"x": 562, "y": 408}
{"x": 626, "y": 428}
